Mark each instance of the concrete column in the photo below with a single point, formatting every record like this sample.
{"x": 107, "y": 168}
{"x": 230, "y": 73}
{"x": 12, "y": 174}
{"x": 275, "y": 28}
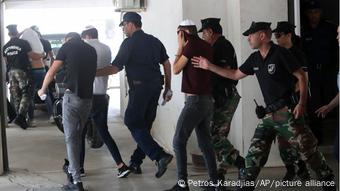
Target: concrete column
{"x": 3, "y": 112}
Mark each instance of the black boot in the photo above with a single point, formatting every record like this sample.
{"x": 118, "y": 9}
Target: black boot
{"x": 303, "y": 172}
{"x": 240, "y": 164}
{"x": 290, "y": 174}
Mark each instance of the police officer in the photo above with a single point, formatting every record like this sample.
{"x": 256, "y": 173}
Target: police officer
{"x": 141, "y": 55}
{"x": 275, "y": 67}
{"x": 286, "y": 37}
{"x": 320, "y": 45}
{"x": 17, "y": 53}
{"x": 225, "y": 95}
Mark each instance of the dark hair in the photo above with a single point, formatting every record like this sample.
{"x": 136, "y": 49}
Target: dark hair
{"x": 192, "y": 29}
{"x": 92, "y": 32}
{"x": 216, "y": 29}
{"x": 137, "y": 24}
{"x": 73, "y": 35}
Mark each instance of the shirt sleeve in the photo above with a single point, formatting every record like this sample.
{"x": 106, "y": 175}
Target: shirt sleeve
{"x": 187, "y": 51}
{"x": 163, "y": 55}
{"x": 123, "y": 55}
{"x": 62, "y": 53}
{"x": 27, "y": 47}
{"x": 288, "y": 60}
{"x": 248, "y": 66}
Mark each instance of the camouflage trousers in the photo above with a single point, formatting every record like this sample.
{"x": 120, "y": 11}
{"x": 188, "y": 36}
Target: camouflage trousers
{"x": 295, "y": 131}
{"x": 19, "y": 90}
{"x": 225, "y": 151}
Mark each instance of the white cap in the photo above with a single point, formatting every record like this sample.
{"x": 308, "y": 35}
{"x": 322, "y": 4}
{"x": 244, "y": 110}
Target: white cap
{"x": 187, "y": 22}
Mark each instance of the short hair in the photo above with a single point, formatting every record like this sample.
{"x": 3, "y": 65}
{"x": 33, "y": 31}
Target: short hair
{"x": 92, "y": 32}
{"x": 137, "y": 24}
{"x": 267, "y": 32}
{"x": 217, "y": 29}
{"x": 73, "y": 35}
{"x": 192, "y": 29}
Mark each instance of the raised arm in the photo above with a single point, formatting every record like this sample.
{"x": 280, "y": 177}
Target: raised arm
{"x": 201, "y": 62}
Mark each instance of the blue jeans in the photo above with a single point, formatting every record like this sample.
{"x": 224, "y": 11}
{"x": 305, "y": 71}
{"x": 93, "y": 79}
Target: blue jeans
{"x": 139, "y": 116}
{"x": 75, "y": 115}
{"x": 99, "y": 116}
{"x": 196, "y": 114}
{"x": 38, "y": 76}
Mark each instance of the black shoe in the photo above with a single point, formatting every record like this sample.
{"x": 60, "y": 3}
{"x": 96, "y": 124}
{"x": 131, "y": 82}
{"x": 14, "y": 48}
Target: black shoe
{"x": 179, "y": 188}
{"x": 220, "y": 176}
{"x": 11, "y": 118}
{"x": 162, "y": 164}
{"x": 123, "y": 171}
{"x": 303, "y": 172}
{"x": 65, "y": 169}
{"x": 82, "y": 172}
{"x": 21, "y": 122}
{"x": 290, "y": 174}
{"x": 73, "y": 187}
{"x": 136, "y": 169}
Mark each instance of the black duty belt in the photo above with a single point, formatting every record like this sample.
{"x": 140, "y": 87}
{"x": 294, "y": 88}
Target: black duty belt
{"x": 277, "y": 105}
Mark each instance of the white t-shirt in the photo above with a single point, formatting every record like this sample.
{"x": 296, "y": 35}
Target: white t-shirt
{"x": 33, "y": 39}
{"x": 103, "y": 59}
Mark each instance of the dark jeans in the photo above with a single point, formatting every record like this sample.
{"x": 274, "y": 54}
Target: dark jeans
{"x": 139, "y": 116}
{"x": 99, "y": 116}
{"x": 38, "y": 76}
{"x": 196, "y": 114}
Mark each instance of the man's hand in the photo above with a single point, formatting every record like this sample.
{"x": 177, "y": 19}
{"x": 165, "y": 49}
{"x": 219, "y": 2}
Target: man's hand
{"x": 41, "y": 92}
{"x": 323, "y": 111}
{"x": 167, "y": 94}
{"x": 200, "y": 62}
{"x": 180, "y": 39}
{"x": 299, "y": 110}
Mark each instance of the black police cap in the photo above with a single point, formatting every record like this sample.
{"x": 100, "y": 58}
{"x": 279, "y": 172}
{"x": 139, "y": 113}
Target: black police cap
{"x": 130, "y": 17}
{"x": 210, "y": 23}
{"x": 284, "y": 27}
{"x": 312, "y": 4}
{"x": 257, "y": 26}
{"x": 12, "y": 28}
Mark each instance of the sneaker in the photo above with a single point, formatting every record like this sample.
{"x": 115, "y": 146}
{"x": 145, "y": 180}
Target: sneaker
{"x": 162, "y": 164}
{"x": 51, "y": 120}
{"x": 65, "y": 169}
{"x": 21, "y": 122}
{"x": 73, "y": 187}
{"x": 123, "y": 171}
{"x": 179, "y": 188}
{"x": 136, "y": 169}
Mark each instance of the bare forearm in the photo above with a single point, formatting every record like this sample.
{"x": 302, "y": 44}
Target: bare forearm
{"x": 224, "y": 72}
{"x": 167, "y": 73}
{"x": 108, "y": 70}
{"x": 303, "y": 90}
{"x": 47, "y": 80}
{"x": 334, "y": 102}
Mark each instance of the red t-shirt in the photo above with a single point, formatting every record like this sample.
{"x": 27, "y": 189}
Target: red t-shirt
{"x": 195, "y": 80}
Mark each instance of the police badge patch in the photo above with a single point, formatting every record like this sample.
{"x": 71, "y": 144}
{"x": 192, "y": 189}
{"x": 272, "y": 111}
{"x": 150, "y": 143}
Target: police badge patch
{"x": 271, "y": 68}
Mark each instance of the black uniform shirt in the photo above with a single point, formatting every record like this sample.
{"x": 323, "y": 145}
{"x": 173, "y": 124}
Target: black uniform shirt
{"x": 47, "y": 47}
{"x": 274, "y": 73}
{"x": 224, "y": 55}
{"x": 321, "y": 46}
{"x": 141, "y": 55}
{"x": 300, "y": 56}
{"x": 80, "y": 61}
{"x": 15, "y": 51}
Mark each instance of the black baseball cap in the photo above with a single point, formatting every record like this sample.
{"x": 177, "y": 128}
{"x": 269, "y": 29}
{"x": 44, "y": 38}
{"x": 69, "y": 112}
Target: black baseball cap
{"x": 212, "y": 23}
{"x": 312, "y": 4}
{"x": 257, "y": 26}
{"x": 12, "y": 28}
{"x": 285, "y": 27}
{"x": 130, "y": 17}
